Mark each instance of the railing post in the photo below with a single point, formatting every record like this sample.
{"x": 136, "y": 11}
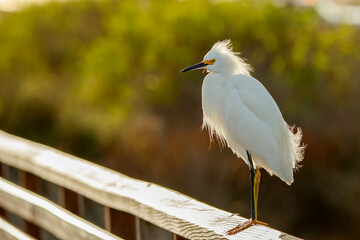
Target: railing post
{"x": 30, "y": 182}
{"x": 2, "y": 211}
{"x": 69, "y": 200}
{"x": 177, "y": 237}
{"x": 120, "y": 223}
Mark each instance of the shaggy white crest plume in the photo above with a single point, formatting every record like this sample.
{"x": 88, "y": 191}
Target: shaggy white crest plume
{"x": 225, "y": 48}
{"x": 242, "y": 113}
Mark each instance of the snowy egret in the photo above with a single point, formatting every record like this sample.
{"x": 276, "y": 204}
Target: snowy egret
{"x": 239, "y": 110}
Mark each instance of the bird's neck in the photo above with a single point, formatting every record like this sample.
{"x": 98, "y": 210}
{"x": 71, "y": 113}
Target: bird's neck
{"x": 227, "y": 74}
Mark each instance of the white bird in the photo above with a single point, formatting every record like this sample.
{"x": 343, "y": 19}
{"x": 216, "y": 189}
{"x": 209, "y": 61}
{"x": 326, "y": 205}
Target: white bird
{"x": 239, "y": 110}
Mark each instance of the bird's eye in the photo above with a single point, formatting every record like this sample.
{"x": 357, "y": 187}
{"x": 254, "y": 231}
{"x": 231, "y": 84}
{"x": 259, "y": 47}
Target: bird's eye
{"x": 209, "y": 62}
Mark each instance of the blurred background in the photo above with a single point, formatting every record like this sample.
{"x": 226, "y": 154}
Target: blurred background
{"x": 100, "y": 80}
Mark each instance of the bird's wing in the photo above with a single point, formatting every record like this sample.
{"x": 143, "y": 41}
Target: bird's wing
{"x": 251, "y": 117}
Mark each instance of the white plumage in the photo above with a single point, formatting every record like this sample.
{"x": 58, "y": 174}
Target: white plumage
{"x": 239, "y": 109}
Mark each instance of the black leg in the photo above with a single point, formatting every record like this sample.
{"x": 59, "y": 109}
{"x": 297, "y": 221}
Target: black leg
{"x": 254, "y": 190}
{"x": 252, "y": 176}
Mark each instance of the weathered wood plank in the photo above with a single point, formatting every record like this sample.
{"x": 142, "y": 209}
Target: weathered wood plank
{"x": 9, "y": 232}
{"x": 30, "y": 182}
{"x": 163, "y": 207}
{"x": 2, "y": 211}
{"x": 47, "y": 215}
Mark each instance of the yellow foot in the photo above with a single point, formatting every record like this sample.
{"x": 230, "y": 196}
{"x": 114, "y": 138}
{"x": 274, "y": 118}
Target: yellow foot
{"x": 243, "y": 226}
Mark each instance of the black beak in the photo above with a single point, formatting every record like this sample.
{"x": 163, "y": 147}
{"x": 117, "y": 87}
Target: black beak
{"x": 196, "y": 66}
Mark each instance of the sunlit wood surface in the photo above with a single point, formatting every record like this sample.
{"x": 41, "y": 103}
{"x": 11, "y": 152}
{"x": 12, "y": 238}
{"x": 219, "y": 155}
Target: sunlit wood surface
{"x": 47, "y": 215}
{"x": 9, "y": 232}
{"x": 163, "y": 207}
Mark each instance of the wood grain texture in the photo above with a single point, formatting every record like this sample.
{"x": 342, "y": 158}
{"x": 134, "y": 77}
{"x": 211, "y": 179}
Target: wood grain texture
{"x": 163, "y": 207}
{"x": 9, "y": 232}
{"x": 47, "y": 215}
{"x": 30, "y": 182}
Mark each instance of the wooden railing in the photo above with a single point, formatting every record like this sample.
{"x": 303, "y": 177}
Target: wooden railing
{"x": 67, "y": 197}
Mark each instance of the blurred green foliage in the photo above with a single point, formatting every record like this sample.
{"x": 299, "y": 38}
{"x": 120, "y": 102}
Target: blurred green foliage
{"x": 100, "y": 79}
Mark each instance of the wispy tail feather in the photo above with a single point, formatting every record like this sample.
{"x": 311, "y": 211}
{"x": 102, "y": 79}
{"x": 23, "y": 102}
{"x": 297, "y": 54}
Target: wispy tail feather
{"x": 298, "y": 148}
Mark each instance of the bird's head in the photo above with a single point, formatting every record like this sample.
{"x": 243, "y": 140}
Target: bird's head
{"x": 221, "y": 59}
